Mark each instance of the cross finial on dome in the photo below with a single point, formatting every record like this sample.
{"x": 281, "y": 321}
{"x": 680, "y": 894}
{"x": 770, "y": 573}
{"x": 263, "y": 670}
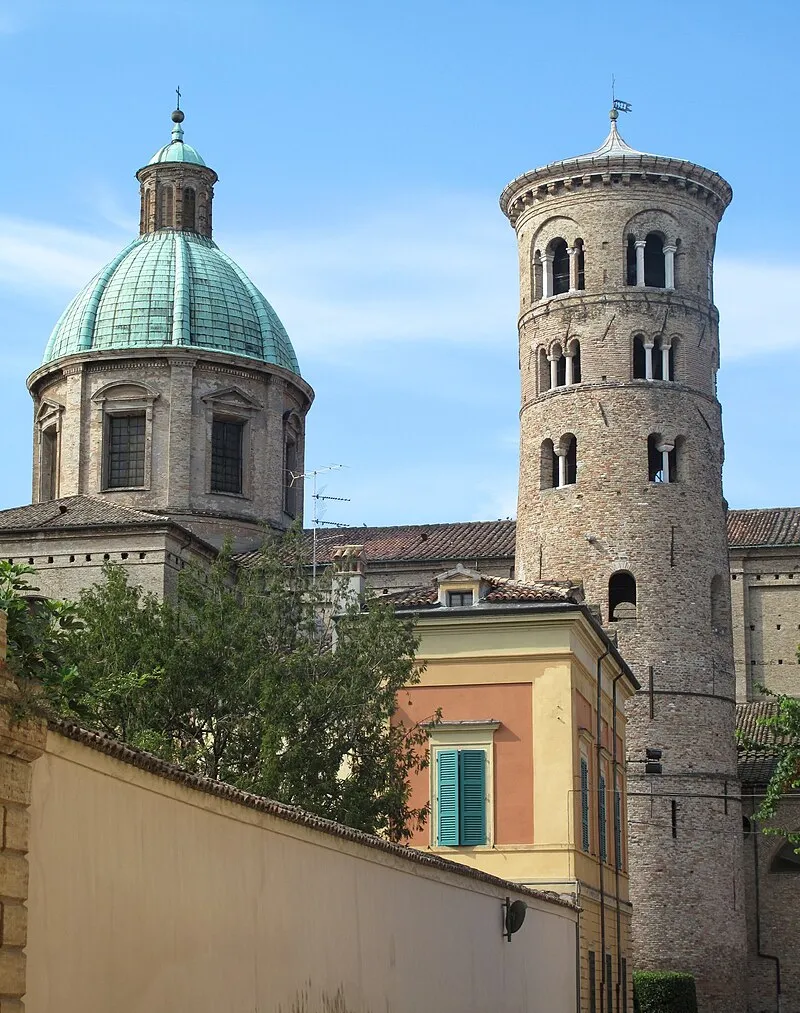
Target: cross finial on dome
{"x": 177, "y": 118}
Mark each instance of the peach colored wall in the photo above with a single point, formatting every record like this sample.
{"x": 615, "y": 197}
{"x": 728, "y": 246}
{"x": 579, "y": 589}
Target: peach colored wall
{"x": 511, "y": 705}
{"x": 149, "y": 896}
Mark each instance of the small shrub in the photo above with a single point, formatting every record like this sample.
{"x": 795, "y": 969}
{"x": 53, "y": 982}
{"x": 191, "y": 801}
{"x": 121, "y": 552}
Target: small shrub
{"x": 664, "y": 992}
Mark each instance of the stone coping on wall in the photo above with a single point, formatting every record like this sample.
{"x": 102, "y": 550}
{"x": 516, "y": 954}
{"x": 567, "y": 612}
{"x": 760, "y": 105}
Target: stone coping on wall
{"x": 171, "y": 772}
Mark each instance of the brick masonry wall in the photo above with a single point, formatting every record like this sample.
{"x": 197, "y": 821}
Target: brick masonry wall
{"x": 181, "y": 391}
{"x": 775, "y": 908}
{"x": 686, "y": 872}
{"x": 765, "y": 591}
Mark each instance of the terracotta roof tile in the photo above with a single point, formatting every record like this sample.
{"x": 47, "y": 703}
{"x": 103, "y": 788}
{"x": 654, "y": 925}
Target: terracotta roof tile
{"x": 73, "y": 512}
{"x": 147, "y": 761}
{"x": 500, "y": 589}
{"x": 463, "y": 541}
{"x": 757, "y": 757}
{"x": 775, "y": 526}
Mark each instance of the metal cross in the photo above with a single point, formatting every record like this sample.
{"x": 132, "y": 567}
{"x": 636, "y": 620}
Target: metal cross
{"x": 178, "y": 93}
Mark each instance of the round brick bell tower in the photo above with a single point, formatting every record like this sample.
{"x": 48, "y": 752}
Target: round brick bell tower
{"x": 621, "y": 485}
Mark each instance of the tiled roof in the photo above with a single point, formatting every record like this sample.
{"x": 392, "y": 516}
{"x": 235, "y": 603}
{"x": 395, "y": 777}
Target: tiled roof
{"x": 463, "y": 542}
{"x": 501, "y": 589}
{"x": 774, "y": 526}
{"x": 757, "y": 758}
{"x": 146, "y": 761}
{"x": 73, "y": 512}
{"x": 470, "y": 542}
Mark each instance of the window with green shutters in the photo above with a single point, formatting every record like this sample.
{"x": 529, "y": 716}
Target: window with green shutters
{"x": 585, "y": 803}
{"x": 601, "y": 818}
{"x": 461, "y": 797}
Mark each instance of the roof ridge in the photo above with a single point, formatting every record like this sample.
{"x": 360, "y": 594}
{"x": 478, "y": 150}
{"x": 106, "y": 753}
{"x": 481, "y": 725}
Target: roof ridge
{"x": 155, "y": 765}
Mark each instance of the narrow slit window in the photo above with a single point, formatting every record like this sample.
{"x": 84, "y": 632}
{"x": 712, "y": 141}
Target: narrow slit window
{"x": 189, "y": 210}
{"x": 166, "y": 201}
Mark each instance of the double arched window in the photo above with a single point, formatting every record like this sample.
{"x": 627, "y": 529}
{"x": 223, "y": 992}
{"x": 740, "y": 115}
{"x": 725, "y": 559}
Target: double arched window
{"x": 559, "y": 367}
{"x": 653, "y": 359}
{"x": 662, "y": 458}
{"x": 559, "y": 269}
{"x": 650, "y": 262}
{"x": 559, "y": 462}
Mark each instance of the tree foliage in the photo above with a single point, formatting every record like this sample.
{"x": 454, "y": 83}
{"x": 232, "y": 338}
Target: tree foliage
{"x": 38, "y": 629}
{"x": 783, "y": 724}
{"x": 245, "y": 675}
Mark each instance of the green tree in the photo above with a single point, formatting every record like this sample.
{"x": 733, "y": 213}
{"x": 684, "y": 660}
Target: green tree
{"x": 783, "y": 724}
{"x": 38, "y": 629}
{"x": 245, "y": 675}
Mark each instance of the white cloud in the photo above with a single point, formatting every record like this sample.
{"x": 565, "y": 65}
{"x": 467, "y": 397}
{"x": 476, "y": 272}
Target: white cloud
{"x": 47, "y": 257}
{"x": 440, "y": 271}
{"x": 443, "y": 272}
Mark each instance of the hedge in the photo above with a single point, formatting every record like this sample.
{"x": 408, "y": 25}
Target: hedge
{"x": 664, "y": 992}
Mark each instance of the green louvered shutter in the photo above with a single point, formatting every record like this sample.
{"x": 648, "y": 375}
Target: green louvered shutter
{"x": 618, "y": 828}
{"x": 601, "y": 791}
{"x": 585, "y": 803}
{"x": 447, "y": 797}
{"x": 473, "y": 796}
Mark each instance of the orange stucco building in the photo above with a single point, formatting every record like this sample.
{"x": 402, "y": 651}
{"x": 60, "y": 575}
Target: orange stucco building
{"x": 527, "y": 765}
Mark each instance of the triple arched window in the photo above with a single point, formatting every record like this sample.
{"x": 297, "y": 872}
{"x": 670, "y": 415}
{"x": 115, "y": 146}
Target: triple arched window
{"x": 650, "y": 262}
{"x": 559, "y": 268}
{"x": 559, "y": 367}
{"x": 653, "y": 358}
{"x": 559, "y": 462}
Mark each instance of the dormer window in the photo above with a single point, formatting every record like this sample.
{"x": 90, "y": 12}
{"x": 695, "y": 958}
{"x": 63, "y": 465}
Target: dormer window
{"x": 459, "y": 599}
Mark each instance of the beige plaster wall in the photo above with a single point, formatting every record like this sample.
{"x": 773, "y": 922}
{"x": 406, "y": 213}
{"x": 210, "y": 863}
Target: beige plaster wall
{"x": 149, "y": 895}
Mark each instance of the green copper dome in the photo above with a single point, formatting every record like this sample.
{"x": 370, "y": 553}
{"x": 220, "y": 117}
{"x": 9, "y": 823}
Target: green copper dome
{"x": 177, "y": 150}
{"x": 171, "y": 288}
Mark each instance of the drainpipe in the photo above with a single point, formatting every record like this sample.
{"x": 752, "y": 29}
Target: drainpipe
{"x": 757, "y": 871}
{"x": 598, "y": 745}
{"x": 617, "y": 858}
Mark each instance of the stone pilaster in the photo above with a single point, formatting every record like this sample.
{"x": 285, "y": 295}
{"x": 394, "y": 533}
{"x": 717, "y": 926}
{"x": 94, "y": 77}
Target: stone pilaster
{"x": 20, "y": 744}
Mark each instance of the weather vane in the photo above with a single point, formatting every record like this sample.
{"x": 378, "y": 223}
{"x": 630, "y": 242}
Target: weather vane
{"x": 617, "y": 103}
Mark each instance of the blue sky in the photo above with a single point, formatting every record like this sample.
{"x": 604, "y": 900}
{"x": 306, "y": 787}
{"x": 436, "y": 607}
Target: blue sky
{"x": 361, "y": 148}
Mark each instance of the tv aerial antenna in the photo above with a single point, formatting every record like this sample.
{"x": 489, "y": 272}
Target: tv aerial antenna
{"x": 318, "y": 501}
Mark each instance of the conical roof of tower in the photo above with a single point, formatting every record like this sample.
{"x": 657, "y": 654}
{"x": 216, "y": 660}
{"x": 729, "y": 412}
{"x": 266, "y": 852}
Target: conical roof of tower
{"x": 173, "y": 288}
{"x": 616, "y": 154}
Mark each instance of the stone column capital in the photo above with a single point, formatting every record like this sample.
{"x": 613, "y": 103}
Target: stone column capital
{"x": 640, "y": 244}
{"x": 665, "y": 448}
{"x": 670, "y": 249}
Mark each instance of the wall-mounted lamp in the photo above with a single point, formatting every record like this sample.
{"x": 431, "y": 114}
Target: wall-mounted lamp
{"x": 513, "y": 916}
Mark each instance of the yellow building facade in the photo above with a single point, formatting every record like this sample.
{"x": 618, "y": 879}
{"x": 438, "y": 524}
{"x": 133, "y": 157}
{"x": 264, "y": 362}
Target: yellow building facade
{"x": 527, "y": 763}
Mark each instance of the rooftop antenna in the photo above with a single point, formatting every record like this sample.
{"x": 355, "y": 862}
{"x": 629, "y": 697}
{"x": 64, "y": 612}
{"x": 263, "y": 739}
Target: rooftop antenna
{"x": 317, "y": 497}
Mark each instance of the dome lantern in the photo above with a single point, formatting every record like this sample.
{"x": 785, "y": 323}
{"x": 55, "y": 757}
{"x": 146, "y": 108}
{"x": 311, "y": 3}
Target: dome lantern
{"x": 176, "y": 187}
